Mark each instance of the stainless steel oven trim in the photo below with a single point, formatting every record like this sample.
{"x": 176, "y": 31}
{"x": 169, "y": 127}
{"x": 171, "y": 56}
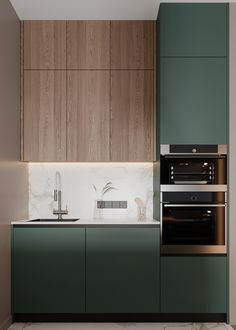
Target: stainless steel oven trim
{"x": 194, "y": 249}
{"x": 194, "y": 205}
{"x": 165, "y": 150}
{"x": 196, "y": 187}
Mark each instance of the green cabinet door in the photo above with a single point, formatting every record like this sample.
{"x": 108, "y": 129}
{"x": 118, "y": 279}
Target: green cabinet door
{"x": 193, "y": 284}
{"x": 188, "y": 29}
{"x": 193, "y": 100}
{"x": 122, "y": 270}
{"x": 48, "y": 270}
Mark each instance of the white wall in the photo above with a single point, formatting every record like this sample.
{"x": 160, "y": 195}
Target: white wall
{"x": 13, "y": 174}
{"x": 232, "y": 164}
{"x": 131, "y": 180}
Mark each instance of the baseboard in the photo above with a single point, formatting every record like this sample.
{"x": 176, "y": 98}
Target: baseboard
{"x": 6, "y": 324}
{"x": 117, "y": 317}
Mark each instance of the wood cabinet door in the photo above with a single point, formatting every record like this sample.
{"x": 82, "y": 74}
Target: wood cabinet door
{"x": 88, "y": 124}
{"x": 88, "y": 45}
{"x": 122, "y": 270}
{"x": 132, "y": 116}
{"x": 44, "y": 45}
{"x": 44, "y": 124}
{"x": 132, "y": 44}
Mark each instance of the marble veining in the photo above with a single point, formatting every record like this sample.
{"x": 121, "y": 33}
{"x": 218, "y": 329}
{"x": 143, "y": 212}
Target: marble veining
{"x": 120, "y": 326}
{"x": 131, "y": 180}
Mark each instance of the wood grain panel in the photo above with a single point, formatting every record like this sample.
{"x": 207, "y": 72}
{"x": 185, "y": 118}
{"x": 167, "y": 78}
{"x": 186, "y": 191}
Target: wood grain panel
{"x": 132, "y": 45}
{"x": 132, "y": 113}
{"x": 88, "y": 125}
{"x": 88, "y": 44}
{"x": 45, "y": 115}
{"x": 45, "y": 45}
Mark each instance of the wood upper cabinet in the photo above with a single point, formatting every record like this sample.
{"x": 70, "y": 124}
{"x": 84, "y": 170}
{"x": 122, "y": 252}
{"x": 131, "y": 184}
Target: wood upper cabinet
{"x": 44, "y": 116}
{"x": 88, "y": 45}
{"x": 44, "y": 45}
{"x": 74, "y": 106}
{"x": 132, "y": 44}
{"x": 132, "y": 113}
{"x": 88, "y": 125}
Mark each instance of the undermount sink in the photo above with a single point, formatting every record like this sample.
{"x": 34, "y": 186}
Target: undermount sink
{"x": 53, "y": 220}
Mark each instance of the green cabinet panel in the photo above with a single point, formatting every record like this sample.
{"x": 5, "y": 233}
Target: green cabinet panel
{"x": 193, "y": 29}
{"x": 193, "y": 284}
{"x": 48, "y": 270}
{"x": 193, "y": 100}
{"x": 122, "y": 270}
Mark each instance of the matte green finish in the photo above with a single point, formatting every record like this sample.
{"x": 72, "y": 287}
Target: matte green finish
{"x": 193, "y": 100}
{"x": 194, "y": 284}
{"x": 48, "y": 270}
{"x": 122, "y": 270}
{"x": 193, "y": 29}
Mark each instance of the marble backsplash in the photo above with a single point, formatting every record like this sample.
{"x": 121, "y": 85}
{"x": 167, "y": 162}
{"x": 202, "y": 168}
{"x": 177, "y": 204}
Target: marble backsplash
{"x": 131, "y": 180}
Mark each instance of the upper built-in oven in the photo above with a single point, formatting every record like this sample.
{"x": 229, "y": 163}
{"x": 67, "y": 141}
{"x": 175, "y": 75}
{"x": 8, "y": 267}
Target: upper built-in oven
{"x": 193, "y": 165}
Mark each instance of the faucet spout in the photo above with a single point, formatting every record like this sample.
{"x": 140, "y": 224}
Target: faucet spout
{"x": 57, "y": 197}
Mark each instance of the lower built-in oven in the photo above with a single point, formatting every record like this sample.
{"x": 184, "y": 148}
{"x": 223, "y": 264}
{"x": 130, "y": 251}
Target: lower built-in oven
{"x": 193, "y": 223}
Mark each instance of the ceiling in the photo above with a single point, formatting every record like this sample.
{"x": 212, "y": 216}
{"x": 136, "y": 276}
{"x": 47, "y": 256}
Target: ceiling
{"x": 91, "y": 9}
{"x": 86, "y": 9}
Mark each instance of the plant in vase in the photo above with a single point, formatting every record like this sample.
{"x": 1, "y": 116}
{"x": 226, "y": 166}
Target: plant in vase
{"x": 98, "y": 212}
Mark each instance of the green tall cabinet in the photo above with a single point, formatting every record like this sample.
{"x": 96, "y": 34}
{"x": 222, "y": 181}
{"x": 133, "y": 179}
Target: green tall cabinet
{"x": 193, "y": 100}
{"x": 48, "y": 270}
{"x": 194, "y": 284}
{"x": 122, "y": 270}
{"x": 193, "y": 29}
{"x": 193, "y": 73}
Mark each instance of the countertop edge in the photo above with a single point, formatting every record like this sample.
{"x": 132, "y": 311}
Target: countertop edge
{"x": 111, "y": 223}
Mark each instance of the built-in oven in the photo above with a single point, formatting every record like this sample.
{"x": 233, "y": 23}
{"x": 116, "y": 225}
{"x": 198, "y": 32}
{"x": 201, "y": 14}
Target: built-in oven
{"x": 193, "y": 199}
{"x": 193, "y": 222}
{"x": 193, "y": 164}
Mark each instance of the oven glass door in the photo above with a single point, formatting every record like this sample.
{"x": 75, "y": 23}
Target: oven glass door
{"x": 187, "y": 170}
{"x": 193, "y": 224}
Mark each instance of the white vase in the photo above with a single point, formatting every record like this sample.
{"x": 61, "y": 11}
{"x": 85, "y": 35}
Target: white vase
{"x": 97, "y": 212}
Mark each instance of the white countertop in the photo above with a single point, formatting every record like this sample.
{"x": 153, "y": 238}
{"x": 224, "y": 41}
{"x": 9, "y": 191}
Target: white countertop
{"x": 92, "y": 223}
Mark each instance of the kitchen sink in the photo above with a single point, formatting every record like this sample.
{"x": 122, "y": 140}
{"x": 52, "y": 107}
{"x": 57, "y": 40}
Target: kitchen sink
{"x": 53, "y": 220}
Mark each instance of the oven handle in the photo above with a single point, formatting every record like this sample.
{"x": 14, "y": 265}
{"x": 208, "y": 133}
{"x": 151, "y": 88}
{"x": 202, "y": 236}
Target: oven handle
{"x": 194, "y": 205}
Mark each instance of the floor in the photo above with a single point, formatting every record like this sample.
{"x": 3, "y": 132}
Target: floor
{"x": 119, "y": 326}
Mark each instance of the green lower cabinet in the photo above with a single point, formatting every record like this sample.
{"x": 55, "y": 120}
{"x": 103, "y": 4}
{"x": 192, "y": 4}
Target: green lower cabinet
{"x": 122, "y": 270}
{"x": 194, "y": 284}
{"x": 48, "y": 269}
{"x": 193, "y": 100}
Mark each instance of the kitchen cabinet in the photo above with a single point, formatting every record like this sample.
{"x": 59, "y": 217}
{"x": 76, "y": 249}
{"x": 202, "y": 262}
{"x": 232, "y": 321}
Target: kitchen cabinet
{"x": 122, "y": 270}
{"x": 48, "y": 270}
{"x": 88, "y": 106}
{"x": 74, "y": 107}
{"x": 132, "y": 44}
{"x": 88, "y": 45}
{"x": 44, "y": 45}
{"x": 193, "y": 100}
{"x": 196, "y": 284}
{"x": 132, "y": 115}
{"x": 188, "y": 29}
{"x": 44, "y": 117}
